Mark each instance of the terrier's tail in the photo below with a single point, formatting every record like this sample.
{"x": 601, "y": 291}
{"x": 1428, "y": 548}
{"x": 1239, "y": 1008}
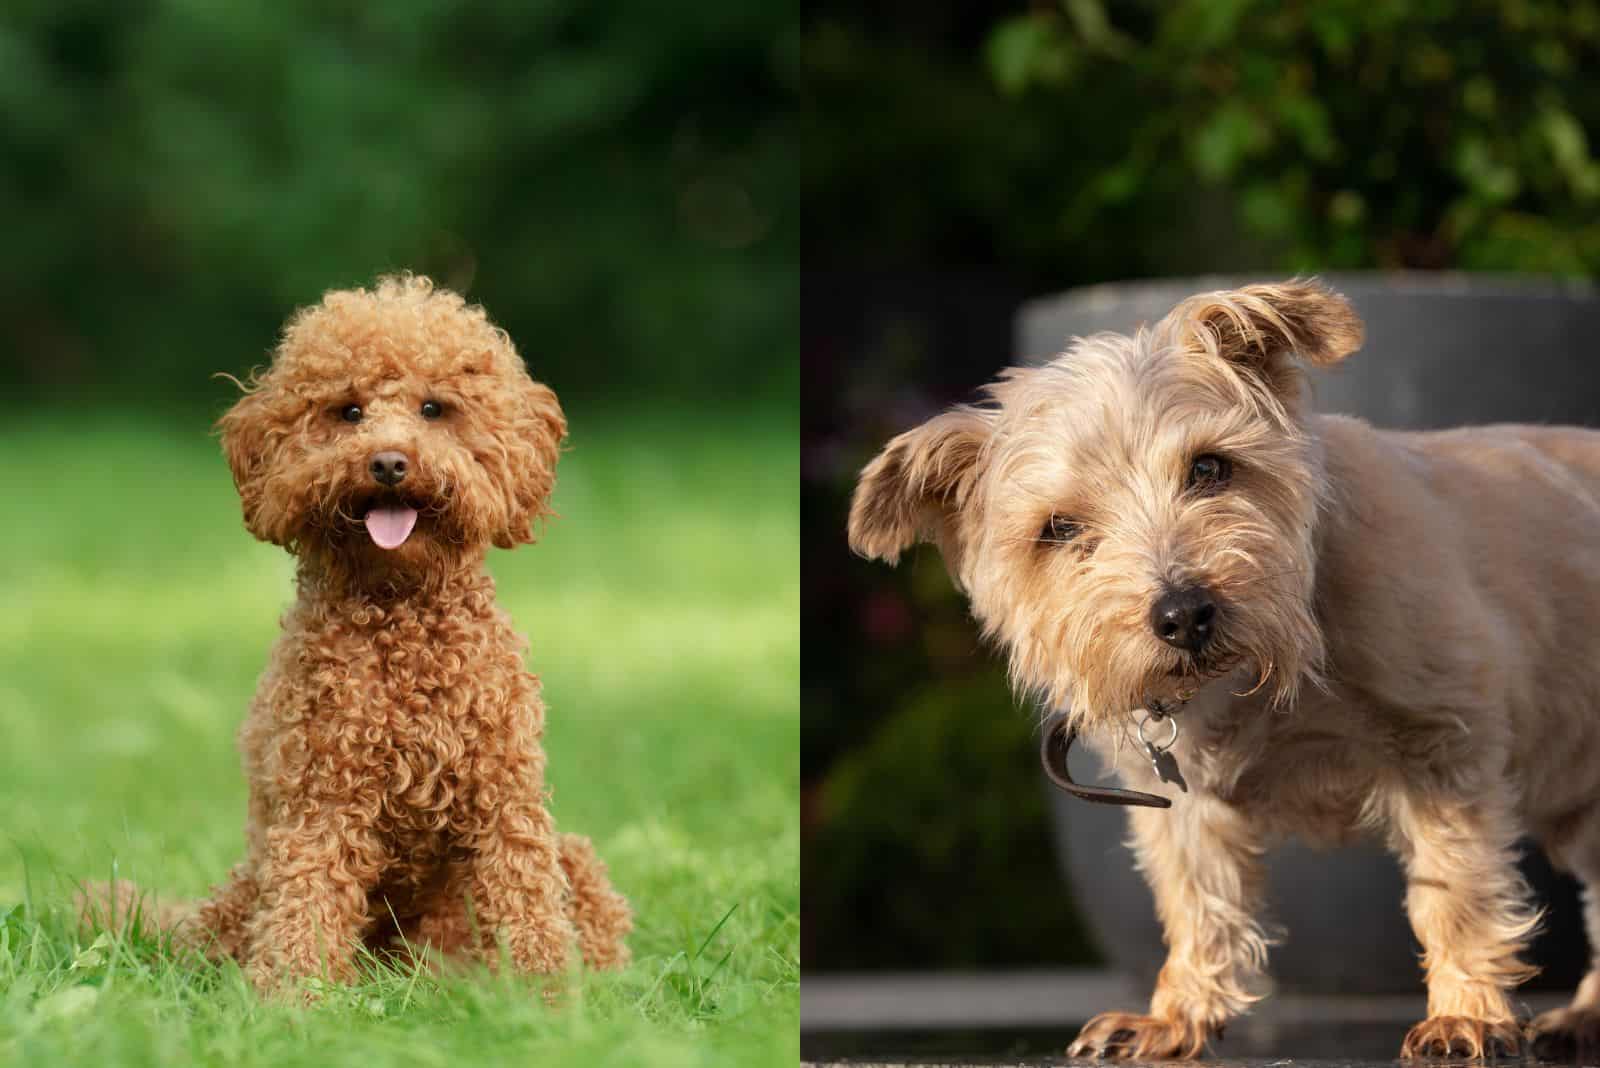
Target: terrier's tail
{"x": 600, "y": 914}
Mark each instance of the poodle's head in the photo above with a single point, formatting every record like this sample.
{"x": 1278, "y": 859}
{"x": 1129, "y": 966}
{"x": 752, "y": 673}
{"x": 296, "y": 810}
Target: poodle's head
{"x": 396, "y": 431}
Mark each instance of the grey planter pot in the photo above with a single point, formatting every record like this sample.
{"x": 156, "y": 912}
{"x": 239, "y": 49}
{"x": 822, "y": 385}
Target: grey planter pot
{"x": 1441, "y": 350}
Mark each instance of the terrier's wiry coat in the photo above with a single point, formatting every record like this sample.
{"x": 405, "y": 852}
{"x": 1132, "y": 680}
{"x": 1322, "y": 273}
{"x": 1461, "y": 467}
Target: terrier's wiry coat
{"x": 1372, "y": 631}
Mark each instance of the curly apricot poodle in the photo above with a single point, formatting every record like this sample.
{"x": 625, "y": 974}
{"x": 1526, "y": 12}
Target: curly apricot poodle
{"x": 393, "y": 747}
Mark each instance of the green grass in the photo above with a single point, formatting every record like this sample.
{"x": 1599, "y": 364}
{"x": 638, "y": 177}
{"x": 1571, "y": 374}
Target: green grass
{"x": 663, "y": 610}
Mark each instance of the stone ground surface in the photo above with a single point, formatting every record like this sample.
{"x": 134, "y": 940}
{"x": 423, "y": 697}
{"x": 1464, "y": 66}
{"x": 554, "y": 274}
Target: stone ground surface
{"x": 1028, "y": 1018}
{"x": 1053, "y": 1062}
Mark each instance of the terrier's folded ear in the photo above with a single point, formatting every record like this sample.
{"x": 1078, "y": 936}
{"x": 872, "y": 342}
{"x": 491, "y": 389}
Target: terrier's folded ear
{"x": 920, "y": 487}
{"x": 1260, "y": 329}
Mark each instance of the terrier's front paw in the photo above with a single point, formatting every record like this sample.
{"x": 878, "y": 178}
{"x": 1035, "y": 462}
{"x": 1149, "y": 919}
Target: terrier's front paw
{"x": 1462, "y": 1036}
{"x": 1123, "y": 1035}
{"x": 1565, "y": 1035}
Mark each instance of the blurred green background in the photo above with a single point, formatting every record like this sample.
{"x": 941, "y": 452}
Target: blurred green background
{"x": 964, "y": 157}
{"x": 617, "y": 184}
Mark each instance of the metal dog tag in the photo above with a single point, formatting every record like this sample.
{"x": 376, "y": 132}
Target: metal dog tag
{"x": 1166, "y": 766}
{"x": 1161, "y": 758}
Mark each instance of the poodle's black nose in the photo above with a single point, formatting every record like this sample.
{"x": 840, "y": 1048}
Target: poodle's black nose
{"x": 388, "y": 468}
{"x": 1184, "y": 617}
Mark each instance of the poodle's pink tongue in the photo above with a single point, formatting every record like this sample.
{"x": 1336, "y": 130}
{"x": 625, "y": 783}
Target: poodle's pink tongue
{"x": 390, "y": 526}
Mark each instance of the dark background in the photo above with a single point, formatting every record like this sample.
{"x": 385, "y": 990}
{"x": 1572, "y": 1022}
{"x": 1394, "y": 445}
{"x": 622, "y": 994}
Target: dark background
{"x": 963, "y": 157}
{"x": 614, "y": 182}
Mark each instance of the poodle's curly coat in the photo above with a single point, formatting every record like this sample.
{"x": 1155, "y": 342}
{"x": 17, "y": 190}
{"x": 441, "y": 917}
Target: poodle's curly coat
{"x": 393, "y": 747}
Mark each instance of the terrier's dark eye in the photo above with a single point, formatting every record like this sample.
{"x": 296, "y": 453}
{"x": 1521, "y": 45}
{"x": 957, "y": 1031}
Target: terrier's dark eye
{"x": 1058, "y": 528}
{"x": 350, "y": 413}
{"x": 1209, "y": 473}
{"x": 432, "y": 409}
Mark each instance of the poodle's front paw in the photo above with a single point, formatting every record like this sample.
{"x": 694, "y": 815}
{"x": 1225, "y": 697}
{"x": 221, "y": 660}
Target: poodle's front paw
{"x": 1462, "y": 1036}
{"x": 1565, "y": 1035}
{"x": 278, "y": 985}
{"x": 1124, "y": 1035}
{"x": 263, "y": 979}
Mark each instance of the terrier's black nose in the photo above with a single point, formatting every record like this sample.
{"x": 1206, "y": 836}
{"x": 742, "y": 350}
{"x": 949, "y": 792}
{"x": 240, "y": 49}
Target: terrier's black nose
{"x": 1184, "y": 617}
{"x": 388, "y": 468}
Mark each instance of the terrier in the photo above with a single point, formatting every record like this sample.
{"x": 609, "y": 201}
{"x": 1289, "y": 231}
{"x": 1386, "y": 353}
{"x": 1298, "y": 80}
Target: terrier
{"x": 1357, "y": 630}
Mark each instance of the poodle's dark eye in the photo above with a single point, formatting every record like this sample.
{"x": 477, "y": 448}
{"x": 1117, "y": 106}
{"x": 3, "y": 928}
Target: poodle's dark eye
{"x": 432, "y": 409}
{"x": 1209, "y": 473}
{"x": 350, "y": 413}
{"x": 1058, "y": 528}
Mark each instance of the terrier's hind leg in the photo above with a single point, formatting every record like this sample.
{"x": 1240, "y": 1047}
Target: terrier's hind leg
{"x": 1574, "y": 1032}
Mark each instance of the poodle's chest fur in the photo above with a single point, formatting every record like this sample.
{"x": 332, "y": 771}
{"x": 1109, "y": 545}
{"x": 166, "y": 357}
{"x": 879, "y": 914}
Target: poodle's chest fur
{"x": 417, "y": 709}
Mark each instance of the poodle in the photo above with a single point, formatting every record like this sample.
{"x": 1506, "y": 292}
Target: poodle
{"x": 397, "y": 782}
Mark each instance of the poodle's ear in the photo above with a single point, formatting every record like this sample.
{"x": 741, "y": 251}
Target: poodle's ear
{"x": 246, "y": 442}
{"x": 920, "y": 487}
{"x": 1261, "y": 328}
{"x": 532, "y": 445}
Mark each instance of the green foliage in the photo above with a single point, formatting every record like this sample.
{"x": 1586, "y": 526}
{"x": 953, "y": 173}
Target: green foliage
{"x": 135, "y": 614}
{"x": 614, "y": 182}
{"x": 1345, "y": 134}
{"x": 919, "y": 158}
{"x": 947, "y": 788}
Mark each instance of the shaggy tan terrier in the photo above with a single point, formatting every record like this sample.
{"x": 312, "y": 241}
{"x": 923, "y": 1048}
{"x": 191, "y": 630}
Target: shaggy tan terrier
{"x": 1357, "y": 630}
